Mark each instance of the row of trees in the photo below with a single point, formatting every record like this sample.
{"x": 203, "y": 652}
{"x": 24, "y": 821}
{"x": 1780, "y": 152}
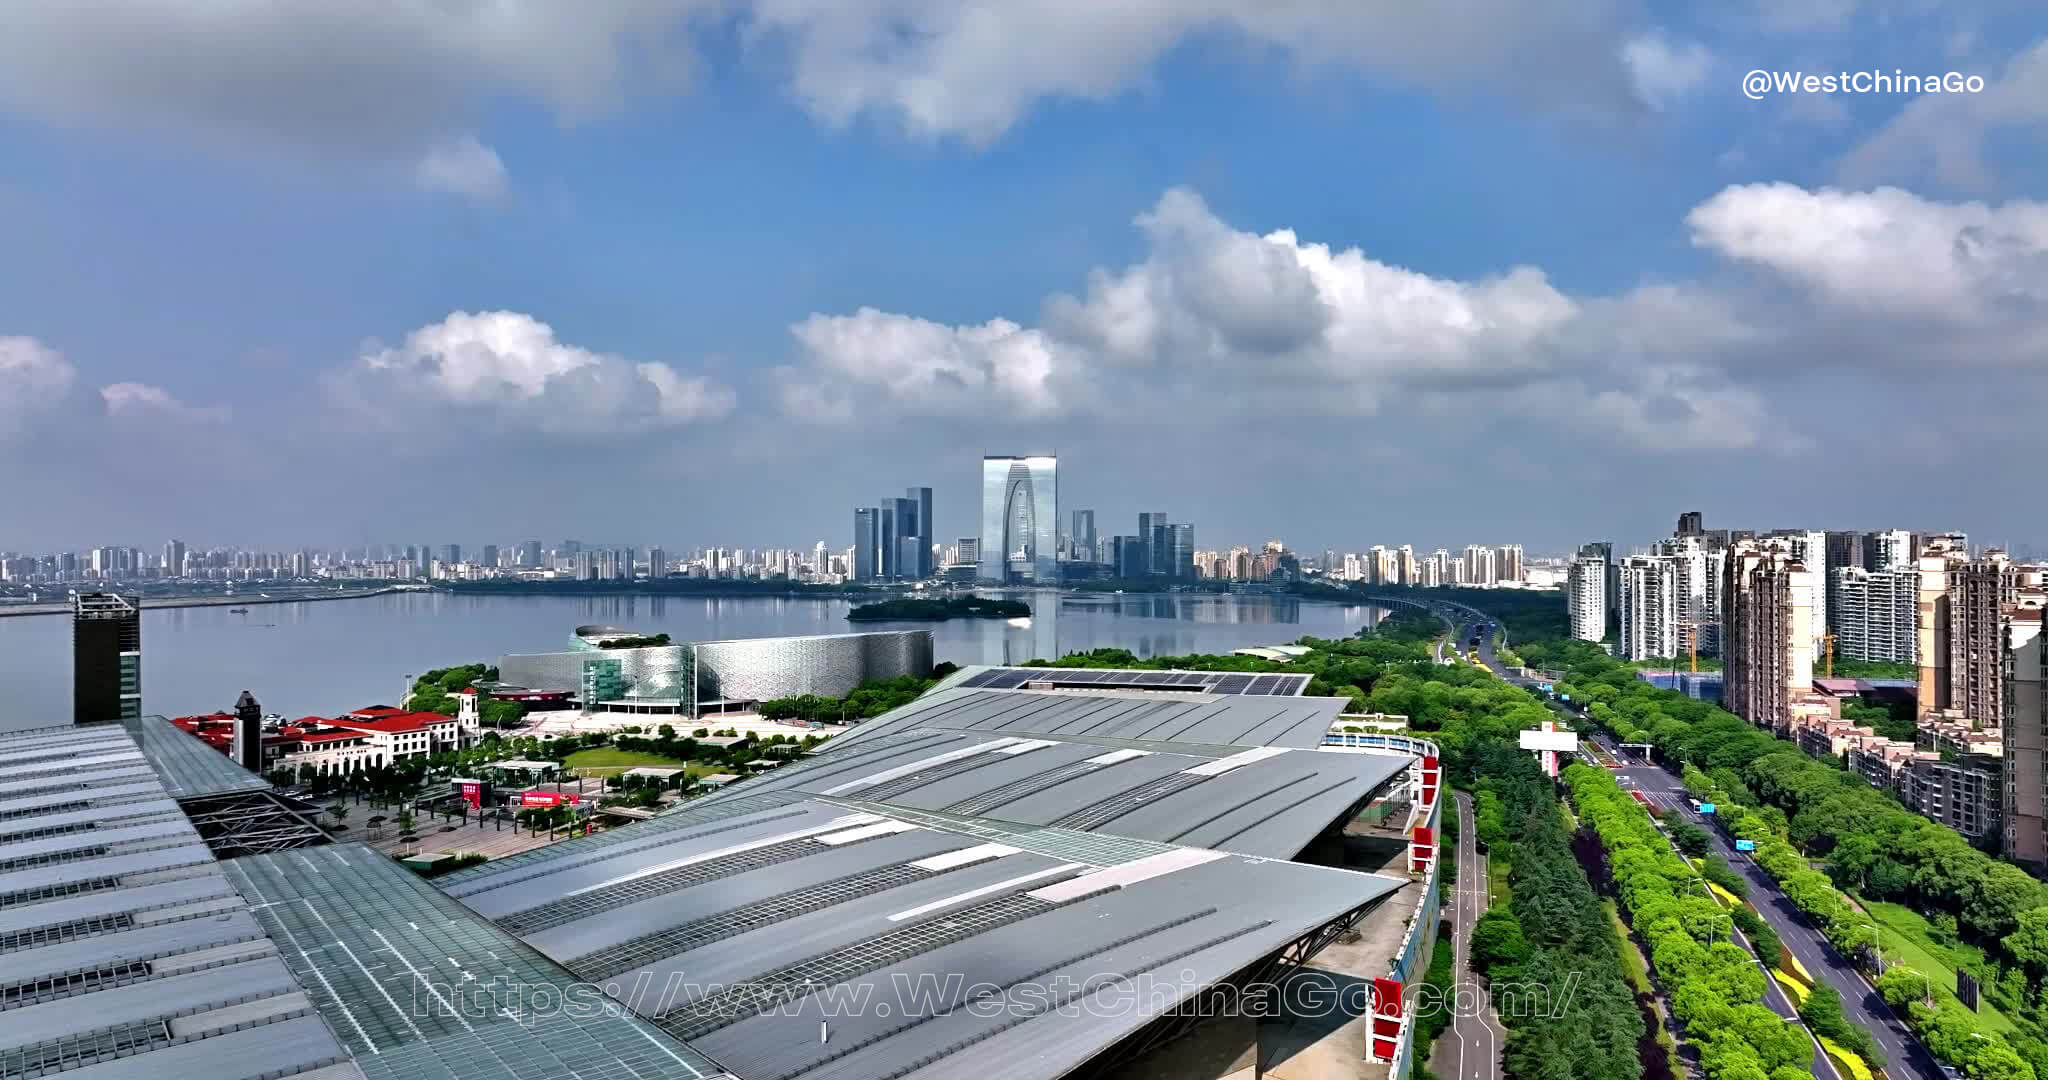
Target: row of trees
{"x": 869, "y": 699}
{"x": 1797, "y": 808}
{"x": 1553, "y": 936}
{"x": 1716, "y": 989}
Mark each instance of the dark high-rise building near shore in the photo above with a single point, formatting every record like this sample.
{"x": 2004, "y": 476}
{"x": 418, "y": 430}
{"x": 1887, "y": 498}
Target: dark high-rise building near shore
{"x": 920, "y": 530}
{"x": 106, "y": 657}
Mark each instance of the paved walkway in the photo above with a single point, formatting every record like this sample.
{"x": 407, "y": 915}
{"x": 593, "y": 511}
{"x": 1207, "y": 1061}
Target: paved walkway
{"x": 1471, "y": 1048}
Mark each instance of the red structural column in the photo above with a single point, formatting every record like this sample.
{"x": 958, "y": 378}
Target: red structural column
{"x": 1387, "y": 1019}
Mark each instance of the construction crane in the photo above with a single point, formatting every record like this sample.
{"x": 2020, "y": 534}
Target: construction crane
{"x": 1828, "y": 642}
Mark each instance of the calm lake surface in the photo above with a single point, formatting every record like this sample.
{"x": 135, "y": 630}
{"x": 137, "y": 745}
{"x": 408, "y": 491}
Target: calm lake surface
{"x": 331, "y": 656}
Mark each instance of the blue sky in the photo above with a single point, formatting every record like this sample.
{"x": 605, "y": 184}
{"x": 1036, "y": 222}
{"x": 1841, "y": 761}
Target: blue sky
{"x": 692, "y": 272}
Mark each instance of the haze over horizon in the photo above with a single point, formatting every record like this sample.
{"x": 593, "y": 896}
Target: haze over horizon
{"x": 717, "y": 274}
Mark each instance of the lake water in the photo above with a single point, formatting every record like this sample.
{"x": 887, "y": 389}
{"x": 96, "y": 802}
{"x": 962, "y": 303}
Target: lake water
{"x": 331, "y": 656}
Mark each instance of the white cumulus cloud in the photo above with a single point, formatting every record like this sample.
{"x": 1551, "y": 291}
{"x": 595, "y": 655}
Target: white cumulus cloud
{"x": 1217, "y": 318}
{"x": 508, "y": 367}
{"x": 142, "y": 401}
{"x": 1887, "y": 251}
{"x": 1216, "y": 321}
{"x": 33, "y": 379}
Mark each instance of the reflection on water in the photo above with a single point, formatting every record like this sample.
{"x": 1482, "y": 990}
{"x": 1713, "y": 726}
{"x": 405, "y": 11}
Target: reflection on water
{"x": 331, "y": 656}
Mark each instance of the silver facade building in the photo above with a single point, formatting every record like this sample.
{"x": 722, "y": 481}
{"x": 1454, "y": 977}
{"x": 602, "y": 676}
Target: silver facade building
{"x": 1020, "y": 520}
{"x": 689, "y": 678}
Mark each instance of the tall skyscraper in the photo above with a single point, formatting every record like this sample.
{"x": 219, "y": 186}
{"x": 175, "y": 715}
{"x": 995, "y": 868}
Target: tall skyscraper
{"x": 1875, "y": 613}
{"x": 657, "y": 563}
{"x": 1586, "y": 597}
{"x": 1767, "y": 632}
{"x": 529, "y": 554}
{"x": 926, "y": 563}
{"x": 1083, "y": 536}
{"x": 106, "y": 657}
{"x": 174, "y": 559}
{"x": 490, "y": 555}
{"x": 1127, "y": 557}
{"x": 867, "y": 543}
{"x": 1020, "y": 519}
{"x": 1965, "y": 614}
{"x": 1810, "y": 548}
{"x": 1691, "y": 523}
{"x": 451, "y": 553}
{"x": 1181, "y": 550}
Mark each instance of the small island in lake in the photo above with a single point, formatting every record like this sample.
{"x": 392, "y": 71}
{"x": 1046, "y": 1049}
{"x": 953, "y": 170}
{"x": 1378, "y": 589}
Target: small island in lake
{"x": 956, "y": 607}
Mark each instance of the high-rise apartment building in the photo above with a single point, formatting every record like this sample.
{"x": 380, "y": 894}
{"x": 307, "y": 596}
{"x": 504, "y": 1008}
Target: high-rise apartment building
{"x": 451, "y": 553}
{"x": 174, "y": 559}
{"x": 1507, "y": 564}
{"x": 106, "y": 657}
{"x": 657, "y": 563}
{"x": 1586, "y": 597}
{"x": 1406, "y": 568}
{"x": 1810, "y": 548}
{"x": 1697, "y": 597}
{"x": 1385, "y": 566}
{"x": 1605, "y": 549}
{"x": 490, "y": 556}
{"x": 529, "y": 554}
{"x": 1981, "y": 595}
{"x": 2025, "y": 731}
{"x": 1649, "y": 607}
{"x": 1691, "y": 523}
{"x": 1845, "y": 548}
{"x": 1766, "y": 632}
{"x": 1889, "y": 550}
{"x": 1875, "y": 613}
{"x": 1479, "y": 566}
{"x": 1020, "y": 519}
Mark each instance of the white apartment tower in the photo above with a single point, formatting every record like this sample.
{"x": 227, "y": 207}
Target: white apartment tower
{"x": 1586, "y": 597}
{"x": 1649, "y": 607}
{"x": 1875, "y": 614}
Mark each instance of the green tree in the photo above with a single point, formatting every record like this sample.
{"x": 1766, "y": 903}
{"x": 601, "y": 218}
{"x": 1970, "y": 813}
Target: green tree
{"x": 1497, "y": 940}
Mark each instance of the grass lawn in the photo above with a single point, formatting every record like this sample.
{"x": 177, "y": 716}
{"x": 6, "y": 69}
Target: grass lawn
{"x": 1497, "y": 889}
{"x": 1637, "y": 972}
{"x": 609, "y": 761}
{"x": 1906, "y": 937}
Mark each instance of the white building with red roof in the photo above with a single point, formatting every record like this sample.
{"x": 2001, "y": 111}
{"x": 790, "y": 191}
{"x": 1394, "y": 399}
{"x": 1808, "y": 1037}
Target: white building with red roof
{"x": 380, "y": 735}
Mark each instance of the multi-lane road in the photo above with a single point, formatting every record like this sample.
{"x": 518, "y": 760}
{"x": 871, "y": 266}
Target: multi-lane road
{"x": 1860, "y": 1000}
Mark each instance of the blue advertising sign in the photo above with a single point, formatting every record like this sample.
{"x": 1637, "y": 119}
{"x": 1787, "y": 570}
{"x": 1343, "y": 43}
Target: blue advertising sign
{"x": 1706, "y": 808}
{"x": 1745, "y": 845}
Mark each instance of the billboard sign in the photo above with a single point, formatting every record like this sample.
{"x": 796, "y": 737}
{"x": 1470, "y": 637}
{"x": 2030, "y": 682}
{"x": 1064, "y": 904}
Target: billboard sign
{"x": 1563, "y": 742}
{"x": 1745, "y": 845}
{"x": 549, "y": 798}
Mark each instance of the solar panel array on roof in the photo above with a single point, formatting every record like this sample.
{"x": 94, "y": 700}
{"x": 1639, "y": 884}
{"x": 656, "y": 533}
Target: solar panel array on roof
{"x": 127, "y": 952}
{"x": 187, "y": 765}
{"x": 416, "y": 987}
{"x": 1196, "y": 682}
{"x": 1134, "y": 719}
